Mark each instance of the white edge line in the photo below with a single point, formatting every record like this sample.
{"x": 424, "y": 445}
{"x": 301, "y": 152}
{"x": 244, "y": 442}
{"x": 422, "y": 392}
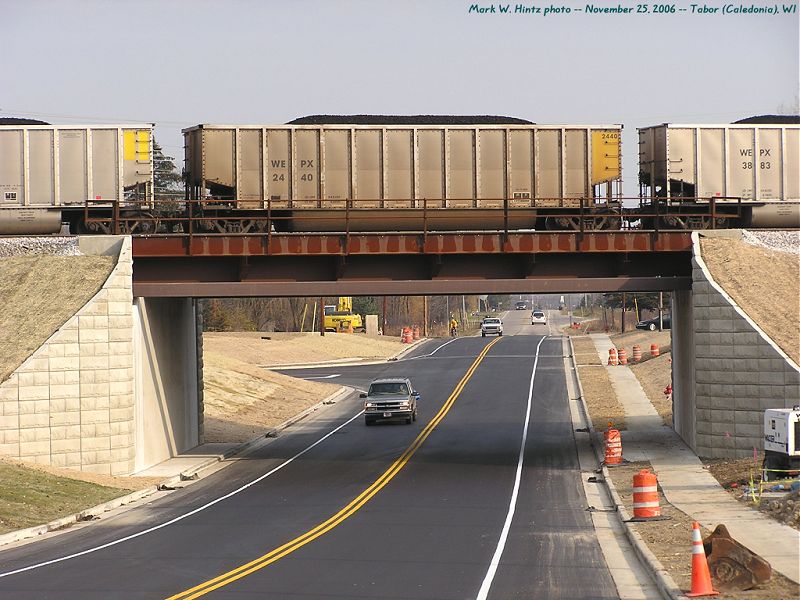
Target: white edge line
{"x": 483, "y": 593}
{"x": 185, "y": 515}
{"x": 442, "y": 346}
{"x": 427, "y": 355}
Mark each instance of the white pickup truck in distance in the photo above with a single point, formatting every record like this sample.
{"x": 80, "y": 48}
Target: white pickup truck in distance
{"x": 491, "y": 326}
{"x": 390, "y": 398}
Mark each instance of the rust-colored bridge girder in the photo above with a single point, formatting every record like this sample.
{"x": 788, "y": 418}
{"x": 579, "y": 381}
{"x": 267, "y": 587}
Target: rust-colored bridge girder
{"x": 410, "y": 264}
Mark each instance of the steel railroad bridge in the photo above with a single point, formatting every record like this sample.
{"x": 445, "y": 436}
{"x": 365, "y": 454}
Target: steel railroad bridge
{"x": 311, "y": 264}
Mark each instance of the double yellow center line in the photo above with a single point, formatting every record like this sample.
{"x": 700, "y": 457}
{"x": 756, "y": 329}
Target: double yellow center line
{"x": 346, "y": 512}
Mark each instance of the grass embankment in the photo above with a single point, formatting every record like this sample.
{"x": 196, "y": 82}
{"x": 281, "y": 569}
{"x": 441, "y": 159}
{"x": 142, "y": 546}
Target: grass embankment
{"x": 31, "y": 497}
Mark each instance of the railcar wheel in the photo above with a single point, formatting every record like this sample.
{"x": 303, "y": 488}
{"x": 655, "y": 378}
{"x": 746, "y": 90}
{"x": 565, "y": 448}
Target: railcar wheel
{"x": 84, "y": 228}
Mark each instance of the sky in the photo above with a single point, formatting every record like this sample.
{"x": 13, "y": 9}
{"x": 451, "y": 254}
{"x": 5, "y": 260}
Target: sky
{"x": 178, "y": 63}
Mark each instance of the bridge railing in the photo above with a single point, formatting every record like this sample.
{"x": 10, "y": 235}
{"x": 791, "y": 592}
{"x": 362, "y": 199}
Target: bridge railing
{"x": 217, "y": 216}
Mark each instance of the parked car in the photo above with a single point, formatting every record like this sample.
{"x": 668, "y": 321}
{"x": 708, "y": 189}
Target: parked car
{"x": 652, "y": 324}
{"x": 390, "y": 398}
{"x": 491, "y": 325}
{"x": 538, "y": 318}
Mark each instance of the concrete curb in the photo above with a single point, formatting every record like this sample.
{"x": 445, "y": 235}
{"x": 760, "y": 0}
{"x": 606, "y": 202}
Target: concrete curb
{"x": 93, "y": 513}
{"x": 663, "y": 580}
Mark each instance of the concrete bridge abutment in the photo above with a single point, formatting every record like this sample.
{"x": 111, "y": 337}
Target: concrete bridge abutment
{"x": 726, "y": 369}
{"x": 117, "y": 388}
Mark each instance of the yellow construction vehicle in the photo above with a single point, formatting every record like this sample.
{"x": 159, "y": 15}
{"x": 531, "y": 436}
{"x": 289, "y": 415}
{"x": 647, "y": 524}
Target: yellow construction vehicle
{"x": 340, "y": 317}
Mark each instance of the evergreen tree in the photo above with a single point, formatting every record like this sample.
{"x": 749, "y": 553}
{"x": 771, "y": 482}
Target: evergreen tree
{"x": 168, "y": 182}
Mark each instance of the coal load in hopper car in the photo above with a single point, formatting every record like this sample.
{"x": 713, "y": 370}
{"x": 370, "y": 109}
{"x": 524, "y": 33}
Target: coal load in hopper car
{"x": 395, "y": 173}
{"x": 409, "y": 120}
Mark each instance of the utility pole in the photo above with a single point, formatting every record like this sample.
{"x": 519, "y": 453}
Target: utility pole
{"x": 322, "y": 316}
{"x": 425, "y": 316}
{"x": 660, "y": 311}
{"x": 383, "y": 317}
{"x": 569, "y": 309}
{"x": 624, "y": 300}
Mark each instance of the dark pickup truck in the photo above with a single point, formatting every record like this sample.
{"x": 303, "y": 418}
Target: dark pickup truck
{"x": 390, "y": 398}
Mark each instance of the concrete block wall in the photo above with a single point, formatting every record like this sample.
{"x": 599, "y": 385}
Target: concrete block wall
{"x": 738, "y": 372}
{"x": 71, "y": 403}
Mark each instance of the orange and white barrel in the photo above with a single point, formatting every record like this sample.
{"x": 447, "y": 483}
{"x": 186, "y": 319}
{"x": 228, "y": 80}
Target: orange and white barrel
{"x": 612, "y": 356}
{"x": 654, "y": 350}
{"x": 645, "y": 495}
{"x": 613, "y": 447}
{"x": 637, "y": 353}
{"x": 415, "y": 332}
{"x": 623, "y": 356}
{"x": 407, "y": 337}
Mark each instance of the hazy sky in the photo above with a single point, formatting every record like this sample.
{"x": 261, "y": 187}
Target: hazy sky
{"x": 178, "y": 63}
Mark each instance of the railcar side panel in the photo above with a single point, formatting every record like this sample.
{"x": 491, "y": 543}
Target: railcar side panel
{"x": 12, "y": 190}
{"x": 522, "y": 165}
{"x": 575, "y": 164}
{"x": 279, "y": 164}
{"x": 710, "y": 163}
{"x": 461, "y": 170}
{"x": 548, "y": 167}
{"x": 250, "y": 161}
{"x": 492, "y": 167}
{"x": 791, "y": 162}
{"x": 41, "y": 180}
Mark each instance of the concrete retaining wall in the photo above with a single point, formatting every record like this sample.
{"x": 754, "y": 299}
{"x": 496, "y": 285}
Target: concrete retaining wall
{"x": 738, "y": 372}
{"x": 71, "y": 403}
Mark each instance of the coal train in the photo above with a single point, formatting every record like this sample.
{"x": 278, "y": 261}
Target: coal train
{"x": 384, "y": 173}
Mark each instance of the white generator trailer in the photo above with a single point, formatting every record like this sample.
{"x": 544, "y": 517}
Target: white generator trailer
{"x": 781, "y": 443}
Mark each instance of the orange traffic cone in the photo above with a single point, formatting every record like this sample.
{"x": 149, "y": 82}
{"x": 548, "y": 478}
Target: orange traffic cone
{"x": 701, "y": 578}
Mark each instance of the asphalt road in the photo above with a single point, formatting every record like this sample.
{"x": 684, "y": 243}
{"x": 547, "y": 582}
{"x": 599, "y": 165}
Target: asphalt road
{"x": 446, "y": 508}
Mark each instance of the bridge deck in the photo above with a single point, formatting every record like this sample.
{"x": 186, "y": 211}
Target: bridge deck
{"x": 410, "y": 263}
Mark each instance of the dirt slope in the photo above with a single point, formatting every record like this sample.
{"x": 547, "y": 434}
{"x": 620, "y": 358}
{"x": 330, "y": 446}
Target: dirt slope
{"x": 764, "y": 283}
{"x": 257, "y": 348}
{"x": 38, "y": 294}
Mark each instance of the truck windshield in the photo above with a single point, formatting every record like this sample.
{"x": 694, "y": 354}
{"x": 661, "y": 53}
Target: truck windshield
{"x": 388, "y": 389}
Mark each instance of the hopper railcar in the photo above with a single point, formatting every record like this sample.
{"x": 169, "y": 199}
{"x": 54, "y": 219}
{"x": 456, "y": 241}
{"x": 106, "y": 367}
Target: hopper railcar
{"x": 749, "y": 172}
{"x": 54, "y": 175}
{"x": 405, "y": 176}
